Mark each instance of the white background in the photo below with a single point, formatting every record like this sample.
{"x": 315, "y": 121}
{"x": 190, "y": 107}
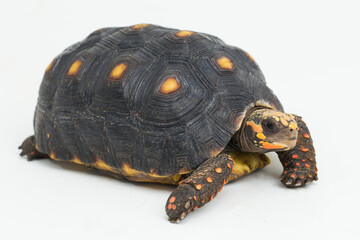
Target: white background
{"x": 309, "y": 52}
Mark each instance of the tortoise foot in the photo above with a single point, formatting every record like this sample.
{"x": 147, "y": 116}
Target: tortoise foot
{"x": 294, "y": 179}
{"x": 28, "y": 148}
{"x": 199, "y": 188}
{"x": 180, "y": 203}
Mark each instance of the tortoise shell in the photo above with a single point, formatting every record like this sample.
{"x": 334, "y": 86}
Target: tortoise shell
{"x": 146, "y": 100}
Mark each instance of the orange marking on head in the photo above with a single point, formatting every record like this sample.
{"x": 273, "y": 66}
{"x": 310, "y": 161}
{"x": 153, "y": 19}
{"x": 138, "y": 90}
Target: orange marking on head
{"x": 183, "y": 34}
{"x": 172, "y": 199}
{"x": 218, "y": 170}
{"x": 310, "y": 176}
{"x": 252, "y": 59}
{"x": 118, "y": 72}
{"x": 294, "y": 156}
{"x": 307, "y": 165}
{"x": 140, "y": 26}
{"x": 195, "y": 208}
{"x": 170, "y": 85}
{"x": 306, "y": 135}
{"x": 212, "y": 196}
{"x": 257, "y": 128}
{"x": 198, "y": 187}
{"x": 209, "y": 179}
{"x": 49, "y": 66}
{"x": 228, "y": 165}
{"x": 302, "y": 176}
{"x": 295, "y": 169}
{"x": 74, "y": 68}
{"x": 169, "y": 206}
{"x": 297, "y": 164}
{"x": 304, "y": 149}
{"x": 285, "y": 172}
{"x": 173, "y": 207}
{"x": 293, "y": 175}
{"x": 225, "y": 63}
{"x": 195, "y": 198}
{"x": 303, "y": 160}
{"x": 221, "y": 188}
{"x": 268, "y": 145}
{"x": 261, "y": 136}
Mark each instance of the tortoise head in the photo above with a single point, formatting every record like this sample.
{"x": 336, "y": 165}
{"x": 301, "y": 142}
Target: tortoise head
{"x": 265, "y": 130}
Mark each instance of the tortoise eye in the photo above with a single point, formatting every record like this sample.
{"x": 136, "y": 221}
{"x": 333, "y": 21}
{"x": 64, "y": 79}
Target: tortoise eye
{"x": 270, "y": 124}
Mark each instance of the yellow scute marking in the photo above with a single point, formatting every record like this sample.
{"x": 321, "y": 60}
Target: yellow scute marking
{"x": 248, "y": 54}
{"x": 77, "y": 160}
{"x": 48, "y": 68}
{"x": 183, "y": 34}
{"x": 170, "y": 85}
{"x": 103, "y": 166}
{"x": 140, "y": 176}
{"x": 118, "y": 71}
{"x": 74, "y": 68}
{"x": 140, "y": 26}
{"x": 225, "y": 63}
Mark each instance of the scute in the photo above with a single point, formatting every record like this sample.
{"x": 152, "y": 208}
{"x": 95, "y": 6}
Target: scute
{"x": 90, "y": 116}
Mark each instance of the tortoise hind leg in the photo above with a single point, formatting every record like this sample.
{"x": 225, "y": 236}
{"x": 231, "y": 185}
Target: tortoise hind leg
{"x": 28, "y": 148}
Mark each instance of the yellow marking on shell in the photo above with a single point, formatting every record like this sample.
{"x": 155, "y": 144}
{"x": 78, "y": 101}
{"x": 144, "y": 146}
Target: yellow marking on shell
{"x": 261, "y": 136}
{"x": 48, "y": 68}
{"x": 248, "y": 54}
{"x": 284, "y": 122}
{"x": 53, "y": 157}
{"x": 74, "y": 68}
{"x": 48, "y": 135}
{"x": 183, "y": 34}
{"x": 140, "y": 26}
{"x": 140, "y": 176}
{"x": 77, "y": 160}
{"x": 118, "y": 72}
{"x": 224, "y": 63}
{"x": 245, "y": 163}
{"x": 100, "y": 164}
{"x": 214, "y": 152}
{"x": 170, "y": 85}
{"x": 276, "y": 118}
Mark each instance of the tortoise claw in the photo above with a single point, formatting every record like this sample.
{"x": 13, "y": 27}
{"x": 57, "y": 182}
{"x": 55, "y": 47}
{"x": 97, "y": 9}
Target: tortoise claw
{"x": 297, "y": 179}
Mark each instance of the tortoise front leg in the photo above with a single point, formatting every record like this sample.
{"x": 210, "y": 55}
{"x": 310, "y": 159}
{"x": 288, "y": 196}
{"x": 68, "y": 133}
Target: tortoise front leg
{"x": 200, "y": 187}
{"x": 299, "y": 163}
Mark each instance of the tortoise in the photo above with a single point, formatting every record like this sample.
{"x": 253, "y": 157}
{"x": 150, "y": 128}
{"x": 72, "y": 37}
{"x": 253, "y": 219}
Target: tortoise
{"x": 154, "y": 104}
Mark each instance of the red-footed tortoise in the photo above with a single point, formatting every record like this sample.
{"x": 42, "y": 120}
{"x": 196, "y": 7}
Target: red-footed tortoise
{"x": 155, "y": 104}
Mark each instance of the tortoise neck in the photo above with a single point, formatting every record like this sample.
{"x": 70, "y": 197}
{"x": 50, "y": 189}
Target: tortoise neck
{"x": 241, "y": 136}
